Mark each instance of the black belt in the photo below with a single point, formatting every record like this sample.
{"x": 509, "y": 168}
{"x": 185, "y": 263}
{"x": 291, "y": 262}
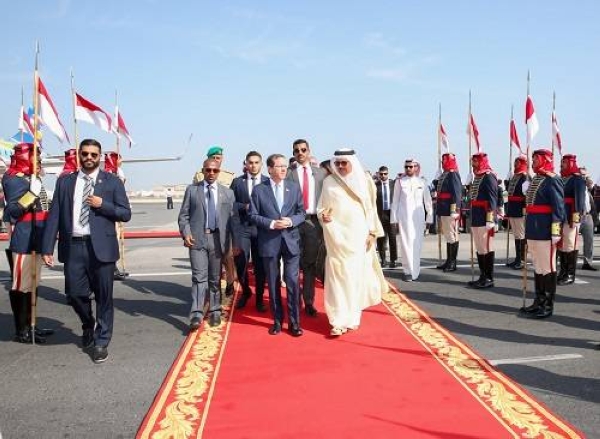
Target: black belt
{"x": 210, "y": 232}
{"x": 81, "y": 238}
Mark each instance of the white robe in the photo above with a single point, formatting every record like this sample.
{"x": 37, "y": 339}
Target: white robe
{"x": 353, "y": 277}
{"x": 411, "y": 209}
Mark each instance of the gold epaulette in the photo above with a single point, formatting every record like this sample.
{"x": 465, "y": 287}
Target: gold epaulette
{"x": 555, "y": 229}
{"x": 489, "y": 217}
{"x": 453, "y": 208}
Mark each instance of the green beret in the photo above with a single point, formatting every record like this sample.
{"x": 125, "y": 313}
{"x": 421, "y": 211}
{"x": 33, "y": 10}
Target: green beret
{"x": 214, "y": 150}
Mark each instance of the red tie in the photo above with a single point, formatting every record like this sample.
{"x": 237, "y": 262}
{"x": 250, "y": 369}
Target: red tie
{"x": 305, "y": 189}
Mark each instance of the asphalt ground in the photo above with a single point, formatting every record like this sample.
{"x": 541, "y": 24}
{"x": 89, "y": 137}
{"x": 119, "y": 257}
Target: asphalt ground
{"x": 56, "y": 391}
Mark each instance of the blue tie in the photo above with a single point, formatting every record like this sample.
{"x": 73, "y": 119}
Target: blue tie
{"x": 211, "y": 215}
{"x": 385, "y": 197}
{"x": 279, "y": 196}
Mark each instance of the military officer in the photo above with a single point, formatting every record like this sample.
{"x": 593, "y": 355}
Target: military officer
{"x": 449, "y": 202}
{"x": 515, "y": 208}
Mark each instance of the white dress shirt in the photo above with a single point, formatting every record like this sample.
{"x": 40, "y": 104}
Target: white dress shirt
{"x": 78, "y": 229}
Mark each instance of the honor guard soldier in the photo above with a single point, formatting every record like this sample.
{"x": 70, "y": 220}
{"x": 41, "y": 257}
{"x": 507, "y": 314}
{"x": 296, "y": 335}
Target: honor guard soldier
{"x": 449, "y": 202}
{"x": 483, "y": 195}
{"x": 70, "y": 161}
{"x": 515, "y": 208}
{"x": 545, "y": 213}
{"x": 575, "y": 194}
{"x": 27, "y": 209}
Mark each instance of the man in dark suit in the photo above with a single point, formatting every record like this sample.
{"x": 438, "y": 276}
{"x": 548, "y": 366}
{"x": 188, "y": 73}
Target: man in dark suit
{"x": 277, "y": 211}
{"x": 206, "y": 223}
{"x": 242, "y": 188}
{"x": 85, "y": 207}
{"x": 310, "y": 179}
{"x": 385, "y": 195}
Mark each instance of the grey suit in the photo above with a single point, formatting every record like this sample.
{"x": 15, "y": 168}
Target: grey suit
{"x": 311, "y": 235}
{"x": 209, "y": 247}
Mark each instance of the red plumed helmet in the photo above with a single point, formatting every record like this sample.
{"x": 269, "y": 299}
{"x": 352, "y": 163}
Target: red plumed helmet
{"x": 449, "y": 162}
{"x": 545, "y": 161}
{"x": 481, "y": 164}
{"x": 70, "y": 161}
{"x": 568, "y": 165}
{"x": 20, "y": 161}
{"x": 111, "y": 162}
{"x": 520, "y": 165}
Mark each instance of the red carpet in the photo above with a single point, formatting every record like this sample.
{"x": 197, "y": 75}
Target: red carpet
{"x": 399, "y": 376}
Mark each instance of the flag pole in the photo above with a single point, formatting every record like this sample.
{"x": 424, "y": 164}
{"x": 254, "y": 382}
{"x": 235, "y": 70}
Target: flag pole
{"x": 439, "y": 149}
{"x": 120, "y": 225}
{"x": 524, "y": 273}
{"x": 471, "y": 201}
{"x": 510, "y": 164}
{"x": 553, "y": 114}
{"x": 34, "y": 166}
{"x": 21, "y": 126}
{"x": 74, "y": 101}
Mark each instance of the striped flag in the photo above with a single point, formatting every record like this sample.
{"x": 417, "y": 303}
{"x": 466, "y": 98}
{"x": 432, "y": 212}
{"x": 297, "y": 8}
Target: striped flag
{"x": 473, "y": 132}
{"x": 514, "y": 137}
{"x": 444, "y": 138}
{"x": 48, "y": 113}
{"x": 120, "y": 127}
{"x": 556, "y": 140}
{"x": 87, "y": 111}
{"x": 530, "y": 120}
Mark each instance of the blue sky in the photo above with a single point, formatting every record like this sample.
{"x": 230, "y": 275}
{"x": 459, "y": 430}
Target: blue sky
{"x": 257, "y": 75}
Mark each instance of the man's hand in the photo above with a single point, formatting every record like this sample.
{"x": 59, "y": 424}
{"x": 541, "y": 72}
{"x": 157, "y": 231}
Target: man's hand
{"x": 35, "y": 186}
{"x": 94, "y": 201}
{"x": 556, "y": 239}
{"x": 189, "y": 241}
{"x": 280, "y": 224}
{"x": 490, "y": 225}
{"x": 48, "y": 260}
{"x": 326, "y": 215}
{"x": 370, "y": 241}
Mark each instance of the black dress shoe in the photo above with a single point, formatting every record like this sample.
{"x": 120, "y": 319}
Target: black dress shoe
{"x": 215, "y": 320}
{"x": 310, "y": 310}
{"x": 42, "y": 332}
{"x": 588, "y": 267}
{"x": 87, "y": 339}
{"x": 120, "y": 275}
{"x": 100, "y": 354}
{"x": 195, "y": 323}
{"x": 241, "y": 302}
{"x": 296, "y": 331}
{"x": 393, "y": 264}
{"x": 229, "y": 289}
{"x": 275, "y": 329}
{"x": 24, "y": 336}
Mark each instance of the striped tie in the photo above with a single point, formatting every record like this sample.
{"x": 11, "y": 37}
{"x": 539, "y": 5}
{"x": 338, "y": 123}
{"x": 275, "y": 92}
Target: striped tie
{"x": 84, "y": 216}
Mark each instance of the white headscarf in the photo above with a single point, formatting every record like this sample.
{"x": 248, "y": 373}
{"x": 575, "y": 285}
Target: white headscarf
{"x": 356, "y": 180}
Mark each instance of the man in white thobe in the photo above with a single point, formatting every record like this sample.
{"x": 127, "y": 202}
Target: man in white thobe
{"x": 412, "y": 210}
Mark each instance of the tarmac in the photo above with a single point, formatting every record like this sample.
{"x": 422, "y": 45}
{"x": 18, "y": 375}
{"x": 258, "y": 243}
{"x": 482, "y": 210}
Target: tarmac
{"x": 56, "y": 391}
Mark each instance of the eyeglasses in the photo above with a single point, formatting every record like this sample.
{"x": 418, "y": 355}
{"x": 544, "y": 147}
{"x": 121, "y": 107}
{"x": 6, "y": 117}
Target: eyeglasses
{"x": 211, "y": 170}
{"x": 280, "y": 166}
{"x": 297, "y": 150}
{"x": 93, "y": 155}
{"x": 341, "y": 163}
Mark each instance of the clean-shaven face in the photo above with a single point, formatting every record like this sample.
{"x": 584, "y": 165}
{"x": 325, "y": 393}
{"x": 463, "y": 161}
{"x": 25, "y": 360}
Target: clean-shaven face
{"x": 254, "y": 164}
{"x": 279, "y": 169}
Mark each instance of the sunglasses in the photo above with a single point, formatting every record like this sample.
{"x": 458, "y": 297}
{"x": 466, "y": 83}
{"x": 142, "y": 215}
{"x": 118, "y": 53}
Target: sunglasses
{"x": 297, "y": 150}
{"x": 211, "y": 170}
{"x": 93, "y": 155}
{"x": 341, "y": 163}
{"x": 383, "y": 173}
{"x": 408, "y": 167}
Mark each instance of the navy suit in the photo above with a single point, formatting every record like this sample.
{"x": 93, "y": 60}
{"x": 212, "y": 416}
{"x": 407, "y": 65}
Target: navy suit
{"x": 89, "y": 262}
{"x": 248, "y": 239}
{"x": 274, "y": 245}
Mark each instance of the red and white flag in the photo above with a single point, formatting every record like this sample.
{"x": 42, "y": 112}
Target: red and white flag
{"x": 48, "y": 113}
{"x": 25, "y": 122}
{"x": 556, "y": 140}
{"x": 120, "y": 127}
{"x": 514, "y": 137}
{"x": 444, "y": 138}
{"x": 87, "y": 111}
{"x": 473, "y": 132}
{"x": 531, "y": 120}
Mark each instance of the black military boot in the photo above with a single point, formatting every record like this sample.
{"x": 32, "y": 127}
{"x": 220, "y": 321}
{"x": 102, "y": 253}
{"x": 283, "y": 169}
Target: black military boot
{"x": 42, "y": 332}
{"x": 24, "y": 332}
{"x": 571, "y": 261}
{"x": 454, "y": 254}
{"x": 517, "y": 260}
{"x": 563, "y": 267}
{"x": 521, "y": 258}
{"x": 540, "y": 296}
{"x": 547, "y": 308}
{"x": 15, "y": 305}
{"x": 448, "y": 256}
{"x": 481, "y": 264}
{"x": 488, "y": 280}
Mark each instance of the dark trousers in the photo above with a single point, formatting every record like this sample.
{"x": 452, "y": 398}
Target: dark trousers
{"x": 389, "y": 236}
{"x": 85, "y": 274}
{"x": 290, "y": 277}
{"x": 249, "y": 246}
{"x": 311, "y": 236}
{"x": 169, "y": 203}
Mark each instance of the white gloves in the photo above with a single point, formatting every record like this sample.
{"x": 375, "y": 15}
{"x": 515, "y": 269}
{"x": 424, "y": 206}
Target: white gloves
{"x": 35, "y": 186}
{"x": 555, "y": 239}
{"x": 454, "y": 215}
{"x": 525, "y": 186}
{"x": 490, "y": 225}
